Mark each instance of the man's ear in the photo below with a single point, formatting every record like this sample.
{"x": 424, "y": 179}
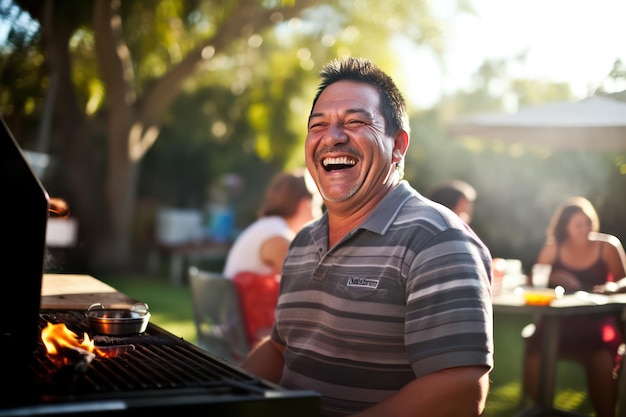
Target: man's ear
{"x": 400, "y": 145}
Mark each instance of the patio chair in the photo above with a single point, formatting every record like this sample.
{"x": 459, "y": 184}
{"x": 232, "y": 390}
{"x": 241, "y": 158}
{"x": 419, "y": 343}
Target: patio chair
{"x": 258, "y": 296}
{"x": 217, "y": 315}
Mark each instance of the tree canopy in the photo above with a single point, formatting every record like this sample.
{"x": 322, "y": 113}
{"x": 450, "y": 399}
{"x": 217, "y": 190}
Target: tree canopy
{"x": 99, "y": 79}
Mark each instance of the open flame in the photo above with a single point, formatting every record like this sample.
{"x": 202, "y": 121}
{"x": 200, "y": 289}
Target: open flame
{"x": 64, "y": 347}
{"x": 65, "y": 350}
{"x": 55, "y": 337}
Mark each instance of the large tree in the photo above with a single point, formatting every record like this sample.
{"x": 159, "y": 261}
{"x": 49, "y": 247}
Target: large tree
{"x": 115, "y": 68}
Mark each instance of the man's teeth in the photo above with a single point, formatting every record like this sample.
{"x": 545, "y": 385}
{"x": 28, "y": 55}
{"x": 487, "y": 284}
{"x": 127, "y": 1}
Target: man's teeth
{"x": 344, "y": 160}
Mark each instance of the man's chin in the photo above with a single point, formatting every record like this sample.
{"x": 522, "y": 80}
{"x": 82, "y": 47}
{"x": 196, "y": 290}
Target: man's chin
{"x": 337, "y": 195}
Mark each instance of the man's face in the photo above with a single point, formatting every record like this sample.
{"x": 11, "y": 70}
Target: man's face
{"x": 346, "y": 149}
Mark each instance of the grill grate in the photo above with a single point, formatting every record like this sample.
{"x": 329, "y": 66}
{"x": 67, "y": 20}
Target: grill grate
{"x": 163, "y": 374}
{"x": 158, "y": 362}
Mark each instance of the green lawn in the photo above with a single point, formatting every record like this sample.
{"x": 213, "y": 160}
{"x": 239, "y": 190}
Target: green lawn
{"x": 171, "y": 309}
{"x": 170, "y": 305}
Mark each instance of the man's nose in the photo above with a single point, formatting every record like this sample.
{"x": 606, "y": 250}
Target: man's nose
{"x": 335, "y": 134}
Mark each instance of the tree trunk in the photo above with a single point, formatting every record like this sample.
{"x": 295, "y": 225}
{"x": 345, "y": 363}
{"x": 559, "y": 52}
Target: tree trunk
{"x": 114, "y": 249}
{"x": 78, "y": 163}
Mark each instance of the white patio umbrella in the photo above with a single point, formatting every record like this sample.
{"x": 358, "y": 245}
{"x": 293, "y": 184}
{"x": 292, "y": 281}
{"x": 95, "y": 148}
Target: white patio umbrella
{"x": 595, "y": 123}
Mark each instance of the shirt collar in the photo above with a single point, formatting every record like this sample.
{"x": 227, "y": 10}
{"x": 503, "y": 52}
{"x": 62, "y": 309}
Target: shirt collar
{"x": 386, "y": 212}
{"x": 383, "y": 216}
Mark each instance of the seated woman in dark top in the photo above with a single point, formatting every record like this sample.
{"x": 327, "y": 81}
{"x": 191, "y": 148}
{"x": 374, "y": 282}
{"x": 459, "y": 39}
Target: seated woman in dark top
{"x": 580, "y": 262}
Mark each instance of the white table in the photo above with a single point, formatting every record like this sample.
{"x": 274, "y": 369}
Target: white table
{"x": 182, "y": 256}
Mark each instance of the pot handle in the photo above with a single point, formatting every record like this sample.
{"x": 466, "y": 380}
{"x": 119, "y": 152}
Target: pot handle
{"x": 141, "y": 308}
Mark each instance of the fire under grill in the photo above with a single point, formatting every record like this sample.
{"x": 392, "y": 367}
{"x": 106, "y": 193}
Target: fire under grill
{"x": 153, "y": 370}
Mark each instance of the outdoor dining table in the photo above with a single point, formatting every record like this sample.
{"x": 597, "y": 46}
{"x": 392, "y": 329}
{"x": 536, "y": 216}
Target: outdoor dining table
{"x": 567, "y": 305}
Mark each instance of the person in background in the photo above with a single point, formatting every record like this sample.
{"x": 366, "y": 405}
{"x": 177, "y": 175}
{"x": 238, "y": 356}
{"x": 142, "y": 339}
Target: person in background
{"x": 457, "y": 195}
{"x": 288, "y": 204}
{"x": 581, "y": 262}
{"x": 384, "y": 304}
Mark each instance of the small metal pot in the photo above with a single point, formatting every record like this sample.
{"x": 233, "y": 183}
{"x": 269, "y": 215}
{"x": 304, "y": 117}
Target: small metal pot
{"x": 118, "y": 320}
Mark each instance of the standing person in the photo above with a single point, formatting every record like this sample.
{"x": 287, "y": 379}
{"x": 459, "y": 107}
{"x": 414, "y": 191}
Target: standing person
{"x": 261, "y": 248}
{"x": 384, "y": 306}
{"x": 581, "y": 263}
{"x": 457, "y": 195}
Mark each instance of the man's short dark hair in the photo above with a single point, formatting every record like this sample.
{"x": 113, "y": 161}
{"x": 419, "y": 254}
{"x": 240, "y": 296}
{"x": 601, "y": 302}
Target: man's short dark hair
{"x": 392, "y": 103}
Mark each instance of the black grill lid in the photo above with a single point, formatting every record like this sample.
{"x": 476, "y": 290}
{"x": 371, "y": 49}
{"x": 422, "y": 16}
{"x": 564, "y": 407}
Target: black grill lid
{"x": 24, "y": 207}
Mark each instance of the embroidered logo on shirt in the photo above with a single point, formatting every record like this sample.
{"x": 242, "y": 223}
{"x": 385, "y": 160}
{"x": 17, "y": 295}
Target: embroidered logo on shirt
{"x": 363, "y": 282}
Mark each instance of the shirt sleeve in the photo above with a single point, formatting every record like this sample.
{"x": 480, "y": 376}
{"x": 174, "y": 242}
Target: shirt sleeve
{"x": 449, "y": 315}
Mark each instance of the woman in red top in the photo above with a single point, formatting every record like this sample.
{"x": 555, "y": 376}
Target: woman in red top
{"x": 581, "y": 261}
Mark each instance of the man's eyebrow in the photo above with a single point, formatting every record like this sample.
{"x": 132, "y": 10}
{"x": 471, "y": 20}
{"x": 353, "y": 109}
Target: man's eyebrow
{"x": 362, "y": 111}
{"x": 312, "y": 115}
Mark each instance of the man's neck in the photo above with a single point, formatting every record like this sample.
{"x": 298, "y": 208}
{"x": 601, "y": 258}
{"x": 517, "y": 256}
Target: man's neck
{"x": 340, "y": 223}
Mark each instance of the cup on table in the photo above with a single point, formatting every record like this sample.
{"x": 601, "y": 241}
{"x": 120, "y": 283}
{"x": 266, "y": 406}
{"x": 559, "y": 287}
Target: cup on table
{"x": 513, "y": 276}
{"x": 541, "y": 275}
{"x": 513, "y": 267}
{"x": 499, "y": 270}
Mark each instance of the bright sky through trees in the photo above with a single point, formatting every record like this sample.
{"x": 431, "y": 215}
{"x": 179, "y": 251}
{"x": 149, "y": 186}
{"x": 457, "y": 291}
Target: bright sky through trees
{"x": 573, "y": 41}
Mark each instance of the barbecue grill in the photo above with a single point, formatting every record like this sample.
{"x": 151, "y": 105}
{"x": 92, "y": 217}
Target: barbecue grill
{"x": 154, "y": 371}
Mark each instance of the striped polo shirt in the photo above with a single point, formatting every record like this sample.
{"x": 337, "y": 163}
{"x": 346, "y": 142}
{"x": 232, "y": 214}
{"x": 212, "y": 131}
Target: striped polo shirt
{"x": 405, "y": 294}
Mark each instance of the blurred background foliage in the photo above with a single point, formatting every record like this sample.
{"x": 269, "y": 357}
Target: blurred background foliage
{"x": 243, "y": 111}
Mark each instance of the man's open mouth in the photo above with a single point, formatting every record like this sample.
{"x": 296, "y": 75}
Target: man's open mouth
{"x": 342, "y": 162}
